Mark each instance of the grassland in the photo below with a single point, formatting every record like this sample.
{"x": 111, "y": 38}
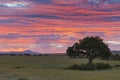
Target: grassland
{"x": 51, "y": 68}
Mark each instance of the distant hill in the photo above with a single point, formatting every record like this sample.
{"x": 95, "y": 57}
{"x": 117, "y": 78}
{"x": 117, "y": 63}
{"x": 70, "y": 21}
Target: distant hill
{"x": 26, "y": 52}
{"x": 29, "y": 52}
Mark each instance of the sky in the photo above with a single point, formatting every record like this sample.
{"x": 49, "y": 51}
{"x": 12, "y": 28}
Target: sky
{"x": 50, "y": 26}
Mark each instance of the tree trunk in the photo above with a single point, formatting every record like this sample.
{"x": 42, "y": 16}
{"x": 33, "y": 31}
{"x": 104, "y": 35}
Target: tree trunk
{"x": 90, "y": 59}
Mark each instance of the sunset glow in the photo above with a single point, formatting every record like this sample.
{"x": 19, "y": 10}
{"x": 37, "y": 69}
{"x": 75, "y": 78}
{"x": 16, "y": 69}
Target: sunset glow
{"x": 50, "y": 26}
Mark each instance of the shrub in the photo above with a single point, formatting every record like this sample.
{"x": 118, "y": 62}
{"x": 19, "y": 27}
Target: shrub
{"x": 75, "y": 67}
{"x": 19, "y": 67}
{"x": 22, "y": 79}
{"x": 88, "y": 67}
{"x": 117, "y": 65}
{"x": 115, "y": 57}
{"x": 96, "y": 66}
{"x": 101, "y": 66}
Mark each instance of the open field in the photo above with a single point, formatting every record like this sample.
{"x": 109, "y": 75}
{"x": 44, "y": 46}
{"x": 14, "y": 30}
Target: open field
{"x": 51, "y": 68}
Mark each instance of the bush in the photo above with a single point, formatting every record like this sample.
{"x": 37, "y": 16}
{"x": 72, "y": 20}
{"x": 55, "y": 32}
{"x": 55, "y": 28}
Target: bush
{"x": 117, "y": 65}
{"x": 96, "y": 66}
{"x": 115, "y": 57}
{"x": 22, "y": 79}
{"x": 75, "y": 67}
{"x": 19, "y": 67}
{"x": 101, "y": 66}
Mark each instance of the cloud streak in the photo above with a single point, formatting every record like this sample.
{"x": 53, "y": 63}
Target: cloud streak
{"x": 53, "y": 25}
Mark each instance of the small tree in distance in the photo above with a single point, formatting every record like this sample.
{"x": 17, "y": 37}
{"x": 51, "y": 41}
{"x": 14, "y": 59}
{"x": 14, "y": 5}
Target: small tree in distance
{"x": 92, "y": 47}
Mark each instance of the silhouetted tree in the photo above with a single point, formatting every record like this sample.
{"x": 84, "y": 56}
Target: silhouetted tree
{"x": 73, "y": 51}
{"x": 70, "y": 52}
{"x": 92, "y": 47}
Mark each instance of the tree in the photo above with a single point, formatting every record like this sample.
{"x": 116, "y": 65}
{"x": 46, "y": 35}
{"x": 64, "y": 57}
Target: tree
{"x": 70, "y": 52}
{"x": 92, "y": 47}
{"x": 73, "y": 51}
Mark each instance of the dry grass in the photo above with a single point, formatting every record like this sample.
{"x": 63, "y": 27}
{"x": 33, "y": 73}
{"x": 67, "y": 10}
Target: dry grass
{"x": 51, "y": 68}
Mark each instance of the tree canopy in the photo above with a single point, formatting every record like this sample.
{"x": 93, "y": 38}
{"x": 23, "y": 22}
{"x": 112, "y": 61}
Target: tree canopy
{"x": 91, "y": 46}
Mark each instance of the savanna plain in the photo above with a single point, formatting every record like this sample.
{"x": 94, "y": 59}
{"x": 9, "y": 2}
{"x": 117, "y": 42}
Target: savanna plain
{"x": 52, "y": 67}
